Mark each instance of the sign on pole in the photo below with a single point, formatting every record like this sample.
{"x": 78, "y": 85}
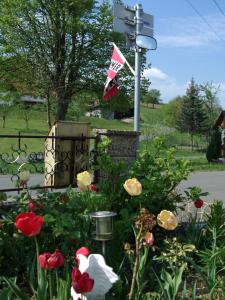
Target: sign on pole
{"x": 124, "y": 21}
{"x": 137, "y": 26}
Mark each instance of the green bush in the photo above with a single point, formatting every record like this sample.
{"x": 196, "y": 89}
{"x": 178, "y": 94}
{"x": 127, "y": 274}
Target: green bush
{"x": 214, "y": 148}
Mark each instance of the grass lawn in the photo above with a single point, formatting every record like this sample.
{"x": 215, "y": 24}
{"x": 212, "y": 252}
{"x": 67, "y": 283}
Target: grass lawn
{"x": 152, "y": 125}
{"x": 197, "y": 159}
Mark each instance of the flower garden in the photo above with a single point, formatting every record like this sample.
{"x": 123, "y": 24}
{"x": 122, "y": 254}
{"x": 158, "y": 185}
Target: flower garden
{"x": 47, "y": 250}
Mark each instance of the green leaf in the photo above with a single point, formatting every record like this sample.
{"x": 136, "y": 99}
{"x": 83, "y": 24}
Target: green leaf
{"x": 49, "y": 218}
{"x": 6, "y": 294}
{"x": 184, "y": 291}
{"x": 178, "y": 278}
{"x": 31, "y": 274}
{"x": 15, "y": 289}
{"x": 42, "y": 285}
{"x": 193, "y": 292}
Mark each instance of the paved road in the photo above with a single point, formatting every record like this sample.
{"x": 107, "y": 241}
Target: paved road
{"x": 212, "y": 182}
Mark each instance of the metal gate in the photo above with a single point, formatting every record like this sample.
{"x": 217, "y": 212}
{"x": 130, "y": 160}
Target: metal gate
{"x": 35, "y": 153}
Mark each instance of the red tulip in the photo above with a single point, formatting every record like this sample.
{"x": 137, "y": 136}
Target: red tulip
{"x": 81, "y": 283}
{"x": 29, "y": 223}
{"x": 198, "y": 203}
{"x": 93, "y": 188}
{"x": 43, "y": 260}
{"x": 56, "y": 260}
{"x": 51, "y": 261}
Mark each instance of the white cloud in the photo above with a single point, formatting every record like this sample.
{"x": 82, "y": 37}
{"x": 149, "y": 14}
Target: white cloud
{"x": 170, "y": 88}
{"x": 155, "y": 73}
{"x": 167, "y": 85}
{"x": 191, "y": 31}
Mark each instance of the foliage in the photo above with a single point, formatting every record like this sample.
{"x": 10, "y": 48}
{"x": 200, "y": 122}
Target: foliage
{"x": 7, "y": 99}
{"x": 152, "y": 96}
{"x": 174, "y": 253}
{"x": 214, "y": 147}
{"x": 215, "y": 219}
{"x": 59, "y": 47}
{"x": 170, "y": 284}
{"x": 173, "y": 111}
{"x": 192, "y": 117}
{"x": 160, "y": 173}
{"x": 193, "y": 231}
{"x": 67, "y": 226}
{"x": 194, "y": 193}
{"x": 112, "y": 175}
{"x": 209, "y": 92}
{"x": 66, "y": 221}
{"x": 211, "y": 264}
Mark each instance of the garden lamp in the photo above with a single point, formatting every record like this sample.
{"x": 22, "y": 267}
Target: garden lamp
{"x": 103, "y": 226}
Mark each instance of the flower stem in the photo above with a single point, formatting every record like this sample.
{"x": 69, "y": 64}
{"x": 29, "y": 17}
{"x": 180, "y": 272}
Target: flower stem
{"x": 37, "y": 253}
{"x": 50, "y": 285}
{"x": 135, "y": 269}
{"x": 57, "y": 281}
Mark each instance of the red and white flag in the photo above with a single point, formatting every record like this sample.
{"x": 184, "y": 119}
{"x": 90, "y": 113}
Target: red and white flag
{"x": 117, "y": 63}
{"x": 111, "y": 90}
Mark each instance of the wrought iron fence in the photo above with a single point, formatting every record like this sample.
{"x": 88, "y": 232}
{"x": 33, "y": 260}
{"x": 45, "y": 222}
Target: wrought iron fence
{"x": 53, "y": 161}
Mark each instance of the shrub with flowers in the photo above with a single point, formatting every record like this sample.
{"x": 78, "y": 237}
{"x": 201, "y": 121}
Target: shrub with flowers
{"x": 39, "y": 236}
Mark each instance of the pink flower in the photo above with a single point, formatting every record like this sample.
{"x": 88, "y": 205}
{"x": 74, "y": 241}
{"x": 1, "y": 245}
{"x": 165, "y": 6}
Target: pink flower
{"x": 198, "y": 203}
{"x": 33, "y": 205}
{"x": 149, "y": 239}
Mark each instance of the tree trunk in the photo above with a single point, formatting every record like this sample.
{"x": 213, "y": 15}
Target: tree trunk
{"x": 3, "y": 122}
{"x": 62, "y": 109}
{"x": 192, "y": 141}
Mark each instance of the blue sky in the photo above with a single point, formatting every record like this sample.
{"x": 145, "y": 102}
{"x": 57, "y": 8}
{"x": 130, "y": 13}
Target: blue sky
{"x": 187, "y": 45}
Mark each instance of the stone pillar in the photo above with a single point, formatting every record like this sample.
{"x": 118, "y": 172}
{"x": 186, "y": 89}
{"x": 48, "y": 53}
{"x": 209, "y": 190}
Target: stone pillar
{"x": 123, "y": 144}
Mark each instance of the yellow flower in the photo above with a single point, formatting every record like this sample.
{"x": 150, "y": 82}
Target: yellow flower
{"x": 133, "y": 187}
{"x": 167, "y": 220}
{"x": 84, "y": 179}
{"x": 24, "y": 176}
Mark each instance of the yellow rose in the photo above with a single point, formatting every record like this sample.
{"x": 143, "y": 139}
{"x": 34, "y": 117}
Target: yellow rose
{"x": 84, "y": 179}
{"x": 167, "y": 220}
{"x": 24, "y": 176}
{"x": 133, "y": 187}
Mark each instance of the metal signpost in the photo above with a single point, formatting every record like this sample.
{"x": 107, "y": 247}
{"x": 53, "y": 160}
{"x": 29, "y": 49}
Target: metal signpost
{"x": 138, "y": 28}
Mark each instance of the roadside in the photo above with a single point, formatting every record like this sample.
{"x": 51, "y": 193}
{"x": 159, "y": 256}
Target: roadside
{"x": 212, "y": 182}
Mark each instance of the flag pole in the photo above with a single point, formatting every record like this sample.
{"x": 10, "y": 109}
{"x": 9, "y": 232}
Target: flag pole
{"x": 121, "y": 54}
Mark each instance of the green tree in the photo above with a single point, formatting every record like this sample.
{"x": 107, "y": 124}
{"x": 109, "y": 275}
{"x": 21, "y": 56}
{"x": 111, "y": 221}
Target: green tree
{"x": 214, "y": 148}
{"x": 192, "y": 116}
{"x": 209, "y": 93}
{"x": 173, "y": 111}
{"x": 6, "y": 103}
{"x": 62, "y": 47}
{"x": 152, "y": 96}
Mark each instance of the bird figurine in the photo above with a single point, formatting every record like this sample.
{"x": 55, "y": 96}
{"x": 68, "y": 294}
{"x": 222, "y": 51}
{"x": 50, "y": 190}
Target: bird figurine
{"x": 93, "y": 278}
